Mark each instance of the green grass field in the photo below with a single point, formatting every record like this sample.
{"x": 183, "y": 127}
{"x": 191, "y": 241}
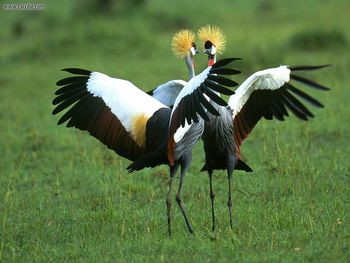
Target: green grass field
{"x": 66, "y": 198}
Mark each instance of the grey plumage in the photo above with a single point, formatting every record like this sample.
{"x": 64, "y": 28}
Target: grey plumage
{"x": 218, "y": 131}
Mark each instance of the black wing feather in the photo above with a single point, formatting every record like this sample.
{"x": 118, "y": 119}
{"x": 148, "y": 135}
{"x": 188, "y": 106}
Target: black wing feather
{"x": 217, "y": 99}
{"x": 199, "y": 107}
{"x": 303, "y": 95}
{"x": 77, "y": 71}
{"x": 70, "y": 87}
{"x": 305, "y": 68}
{"x": 67, "y": 95}
{"x": 223, "y": 81}
{"x": 225, "y": 71}
{"x": 207, "y": 105}
{"x": 224, "y": 62}
{"x": 308, "y": 82}
{"x": 216, "y": 87}
{"x": 80, "y": 79}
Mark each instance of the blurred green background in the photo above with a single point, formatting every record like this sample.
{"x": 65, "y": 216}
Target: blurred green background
{"x": 65, "y": 197}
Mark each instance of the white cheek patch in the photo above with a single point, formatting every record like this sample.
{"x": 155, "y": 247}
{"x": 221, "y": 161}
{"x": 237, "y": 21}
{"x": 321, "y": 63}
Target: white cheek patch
{"x": 193, "y": 51}
{"x": 213, "y": 50}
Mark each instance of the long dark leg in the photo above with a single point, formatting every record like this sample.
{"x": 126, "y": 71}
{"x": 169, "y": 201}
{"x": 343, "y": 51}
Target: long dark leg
{"x": 230, "y": 166}
{"x": 173, "y": 170}
{"x": 212, "y": 196}
{"x": 185, "y": 163}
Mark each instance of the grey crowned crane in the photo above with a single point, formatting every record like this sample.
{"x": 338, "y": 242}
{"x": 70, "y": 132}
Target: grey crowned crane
{"x": 167, "y": 94}
{"x": 269, "y": 93}
{"x": 135, "y": 125}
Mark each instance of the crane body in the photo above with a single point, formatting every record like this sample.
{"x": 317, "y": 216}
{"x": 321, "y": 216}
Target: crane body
{"x": 266, "y": 94}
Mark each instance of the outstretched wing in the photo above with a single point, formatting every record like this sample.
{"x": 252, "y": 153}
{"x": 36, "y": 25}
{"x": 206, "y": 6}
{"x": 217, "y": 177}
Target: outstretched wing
{"x": 193, "y": 100}
{"x": 269, "y": 94}
{"x": 112, "y": 110}
{"x": 167, "y": 93}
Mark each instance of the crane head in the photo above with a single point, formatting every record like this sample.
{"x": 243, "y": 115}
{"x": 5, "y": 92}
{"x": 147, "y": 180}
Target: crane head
{"x": 182, "y": 44}
{"x": 214, "y": 41}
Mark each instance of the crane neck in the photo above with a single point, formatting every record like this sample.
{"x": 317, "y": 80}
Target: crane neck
{"x": 190, "y": 66}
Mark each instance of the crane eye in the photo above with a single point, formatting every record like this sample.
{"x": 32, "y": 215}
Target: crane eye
{"x": 208, "y": 44}
{"x": 194, "y": 45}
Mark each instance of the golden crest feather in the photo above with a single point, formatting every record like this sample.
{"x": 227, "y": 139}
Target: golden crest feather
{"x": 215, "y": 35}
{"x": 181, "y": 42}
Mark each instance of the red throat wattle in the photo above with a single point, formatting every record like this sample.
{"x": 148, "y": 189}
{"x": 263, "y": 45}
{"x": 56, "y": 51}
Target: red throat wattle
{"x": 211, "y": 61}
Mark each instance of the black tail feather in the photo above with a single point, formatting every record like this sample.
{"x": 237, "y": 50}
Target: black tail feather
{"x": 240, "y": 165}
{"x": 151, "y": 160}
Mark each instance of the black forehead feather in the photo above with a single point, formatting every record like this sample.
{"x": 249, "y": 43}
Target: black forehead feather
{"x": 208, "y": 44}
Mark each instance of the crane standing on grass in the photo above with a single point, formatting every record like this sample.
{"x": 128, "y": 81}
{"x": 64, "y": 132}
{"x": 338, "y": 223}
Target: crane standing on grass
{"x": 267, "y": 93}
{"x": 137, "y": 126}
{"x": 167, "y": 94}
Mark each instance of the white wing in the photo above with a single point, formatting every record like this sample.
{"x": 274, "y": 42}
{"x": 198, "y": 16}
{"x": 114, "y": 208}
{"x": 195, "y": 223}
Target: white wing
{"x": 269, "y": 94}
{"x": 268, "y": 79}
{"x": 124, "y": 99}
